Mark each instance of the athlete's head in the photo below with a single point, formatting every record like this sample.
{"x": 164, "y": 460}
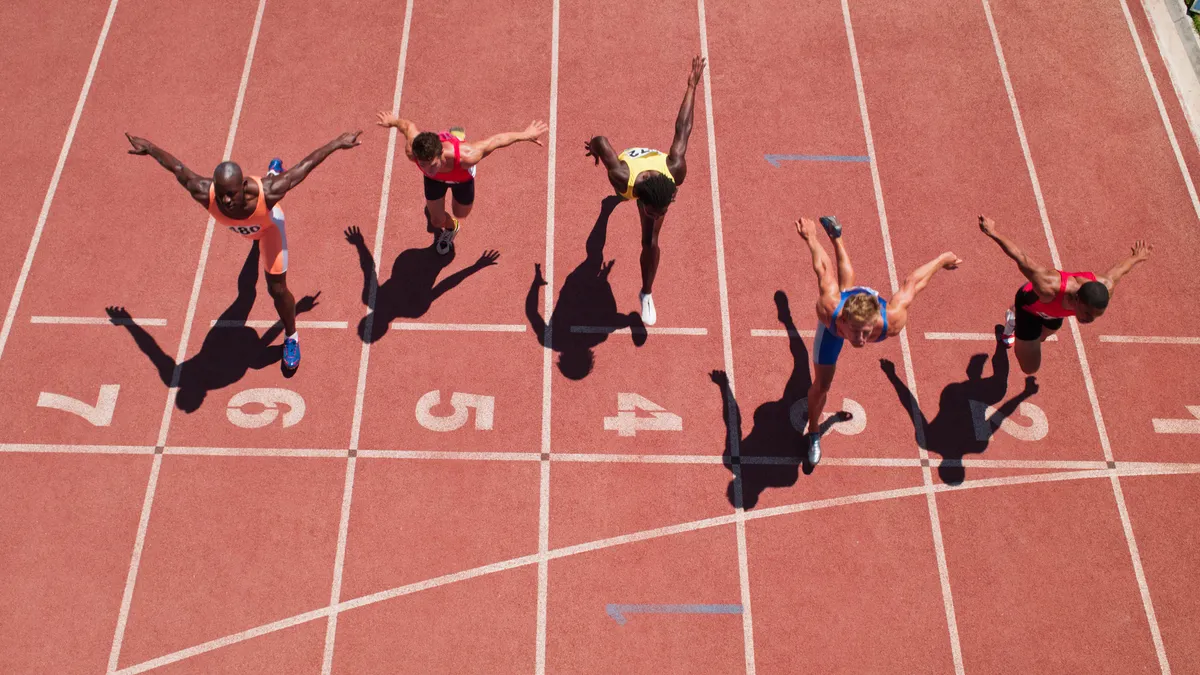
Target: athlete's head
{"x": 427, "y": 149}
{"x": 228, "y": 184}
{"x": 1093, "y": 300}
{"x": 655, "y": 193}
{"x": 860, "y": 313}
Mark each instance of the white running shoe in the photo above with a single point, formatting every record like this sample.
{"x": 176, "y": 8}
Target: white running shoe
{"x": 814, "y": 449}
{"x": 1010, "y": 328}
{"x": 446, "y": 237}
{"x": 648, "y": 316}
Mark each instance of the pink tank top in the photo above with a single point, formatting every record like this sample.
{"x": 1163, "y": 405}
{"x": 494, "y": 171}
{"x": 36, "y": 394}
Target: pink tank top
{"x": 1055, "y": 309}
{"x": 250, "y": 228}
{"x": 457, "y": 173}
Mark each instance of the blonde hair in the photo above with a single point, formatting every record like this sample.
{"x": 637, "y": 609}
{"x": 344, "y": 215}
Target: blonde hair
{"x": 861, "y": 308}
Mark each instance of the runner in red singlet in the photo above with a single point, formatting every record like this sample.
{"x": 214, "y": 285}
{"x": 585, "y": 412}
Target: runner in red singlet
{"x": 448, "y": 163}
{"x": 1051, "y": 296}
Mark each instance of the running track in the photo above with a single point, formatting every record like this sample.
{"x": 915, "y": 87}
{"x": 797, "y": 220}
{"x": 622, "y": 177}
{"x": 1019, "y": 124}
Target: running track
{"x": 362, "y": 528}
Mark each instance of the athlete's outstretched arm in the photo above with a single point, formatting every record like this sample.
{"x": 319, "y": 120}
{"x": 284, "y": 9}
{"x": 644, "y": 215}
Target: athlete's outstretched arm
{"x": 1139, "y": 253}
{"x": 473, "y": 153}
{"x": 826, "y": 274}
{"x": 1045, "y": 280}
{"x": 197, "y": 185}
{"x": 406, "y": 127}
{"x": 602, "y": 151}
{"x": 278, "y": 186}
{"x": 914, "y": 284}
{"x": 676, "y": 158}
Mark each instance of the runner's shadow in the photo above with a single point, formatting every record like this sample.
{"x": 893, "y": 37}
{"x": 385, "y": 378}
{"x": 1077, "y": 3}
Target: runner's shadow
{"x": 771, "y": 454}
{"x": 961, "y": 426}
{"x": 585, "y": 300}
{"x": 413, "y": 286}
{"x": 228, "y": 351}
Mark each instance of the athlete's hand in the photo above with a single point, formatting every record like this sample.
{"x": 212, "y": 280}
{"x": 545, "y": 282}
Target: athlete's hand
{"x": 950, "y": 261}
{"x": 587, "y": 145}
{"x": 1141, "y": 251}
{"x": 987, "y": 225}
{"x": 348, "y": 140}
{"x": 698, "y": 64}
{"x": 534, "y": 130}
{"x": 806, "y": 228}
{"x": 387, "y": 119}
{"x": 141, "y": 146}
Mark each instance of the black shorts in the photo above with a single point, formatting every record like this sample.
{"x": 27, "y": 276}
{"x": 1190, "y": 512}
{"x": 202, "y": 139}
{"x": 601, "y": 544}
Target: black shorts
{"x": 1029, "y": 325}
{"x": 464, "y": 193}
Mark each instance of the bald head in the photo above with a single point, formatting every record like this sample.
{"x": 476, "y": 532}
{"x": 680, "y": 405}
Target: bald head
{"x": 228, "y": 175}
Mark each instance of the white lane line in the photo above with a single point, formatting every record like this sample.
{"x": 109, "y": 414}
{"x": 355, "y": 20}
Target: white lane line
{"x": 640, "y": 330}
{"x": 781, "y": 332}
{"x": 939, "y": 548}
{"x": 727, "y": 349}
{"x": 588, "y": 458}
{"x": 95, "y": 321}
{"x": 222, "y": 323}
{"x": 1135, "y": 558}
{"x": 692, "y": 526}
{"x": 1150, "y": 339}
{"x": 172, "y": 391}
{"x": 339, "y": 560}
{"x": 543, "y": 571}
{"x": 470, "y": 327}
{"x": 19, "y": 290}
{"x": 972, "y": 337}
{"x": 254, "y": 452}
{"x": 444, "y": 455}
{"x": 51, "y": 448}
{"x": 1166, "y": 120}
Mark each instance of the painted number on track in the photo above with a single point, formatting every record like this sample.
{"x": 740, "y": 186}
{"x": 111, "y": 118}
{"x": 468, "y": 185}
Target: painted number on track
{"x": 263, "y": 405}
{"x": 627, "y": 422}
{"x": 462, "y": 404}
{"x": 99, "y": 415}
{"x": 987, "y": 420}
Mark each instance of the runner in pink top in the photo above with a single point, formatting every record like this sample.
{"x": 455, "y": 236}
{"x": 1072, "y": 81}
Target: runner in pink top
{"x": 448, "y": 163}
{"x": 248, "y": 207}
{"x": 1052, "y": 295}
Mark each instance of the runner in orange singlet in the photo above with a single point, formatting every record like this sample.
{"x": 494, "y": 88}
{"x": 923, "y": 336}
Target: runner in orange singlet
{"x": 248, "y": 206}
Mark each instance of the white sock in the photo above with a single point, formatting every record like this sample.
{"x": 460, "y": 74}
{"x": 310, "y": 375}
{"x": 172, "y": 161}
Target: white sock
{"x": 295, "y": 336}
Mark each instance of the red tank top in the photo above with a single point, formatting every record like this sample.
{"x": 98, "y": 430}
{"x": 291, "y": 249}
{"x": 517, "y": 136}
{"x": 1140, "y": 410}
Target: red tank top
{"x": 1055, "y": 309}
{"x": 457, "y": 173}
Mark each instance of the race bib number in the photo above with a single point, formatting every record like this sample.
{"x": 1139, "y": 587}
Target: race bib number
{"x": 244, "y": 230}
{"x": 634, "y": 153}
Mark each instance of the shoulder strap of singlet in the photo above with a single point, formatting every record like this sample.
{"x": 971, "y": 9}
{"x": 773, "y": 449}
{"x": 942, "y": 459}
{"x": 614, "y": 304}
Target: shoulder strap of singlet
{"x": 883, "y": 313}
{"x": 260, "y": 209}
{"x": 447, "y": 136}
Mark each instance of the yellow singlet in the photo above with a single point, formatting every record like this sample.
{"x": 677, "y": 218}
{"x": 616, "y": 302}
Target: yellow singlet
{"x": 643, "y": 159}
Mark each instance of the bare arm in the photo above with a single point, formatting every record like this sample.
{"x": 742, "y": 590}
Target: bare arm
{"x": 407, "y": 128}
{"x": 1139, "y": 253}
{"x": 277, "y": 186}
{"x": 827, "y": 283}
{"x": 1046, "y": 281}
{"x": 913, "y": 285}
{"x": 676, "y": 158}
{"x": 473, "y": 153}
{"x": 600, "y": 149}
{"x": 195, "y": 184}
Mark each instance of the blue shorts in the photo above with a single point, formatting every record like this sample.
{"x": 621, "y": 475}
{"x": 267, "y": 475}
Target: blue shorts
{"x": 826, "y": 346}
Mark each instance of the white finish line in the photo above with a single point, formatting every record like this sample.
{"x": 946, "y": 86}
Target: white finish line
{"x": 95, "y": 321}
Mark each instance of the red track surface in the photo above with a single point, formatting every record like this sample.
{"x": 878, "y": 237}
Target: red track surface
{"x": 365, "y": 537}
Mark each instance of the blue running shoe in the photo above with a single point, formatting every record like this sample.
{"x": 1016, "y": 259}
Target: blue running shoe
{"x": 832, "y": 227}
{"x": 291, "y": 353}
{"x": 275, "y": 167}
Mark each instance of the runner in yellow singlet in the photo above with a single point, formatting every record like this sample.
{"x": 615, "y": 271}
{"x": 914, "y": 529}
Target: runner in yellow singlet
{"x": 651, "y": 177}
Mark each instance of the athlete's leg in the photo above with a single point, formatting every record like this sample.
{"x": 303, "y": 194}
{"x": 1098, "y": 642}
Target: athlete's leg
{"x": 826, "y": 349}
{"x": 274, "y": 252}
{"x": 435, "y": 203}
{"x": 649, "y": 260}
{"x": 845, "y": 269}
{"x": 1031, "y": 331}
{"x": 464, "y": 199}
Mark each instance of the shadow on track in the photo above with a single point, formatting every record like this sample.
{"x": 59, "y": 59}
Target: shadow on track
{"x": 227, "y": 351}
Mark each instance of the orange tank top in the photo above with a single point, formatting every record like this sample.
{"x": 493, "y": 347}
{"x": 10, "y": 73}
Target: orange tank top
{"x": 251, "y": 228}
